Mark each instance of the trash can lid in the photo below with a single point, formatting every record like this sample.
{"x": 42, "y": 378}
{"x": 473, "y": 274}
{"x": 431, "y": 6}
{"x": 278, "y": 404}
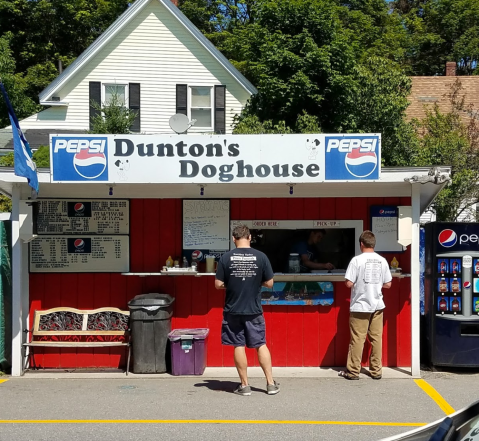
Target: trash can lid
{"x": 151, "y": 299}
{"x": 188, "y": 334}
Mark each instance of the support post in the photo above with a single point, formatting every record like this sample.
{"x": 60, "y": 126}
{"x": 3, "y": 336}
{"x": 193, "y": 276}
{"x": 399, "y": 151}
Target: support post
{"x": 415, "y": 281}
{"x": 17, "y": 285}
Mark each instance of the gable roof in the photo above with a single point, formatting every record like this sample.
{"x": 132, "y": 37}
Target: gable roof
{"x": 118, "y": 25}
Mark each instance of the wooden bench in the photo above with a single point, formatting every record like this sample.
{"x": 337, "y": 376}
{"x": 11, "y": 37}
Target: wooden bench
{"x": 73, "y": 328}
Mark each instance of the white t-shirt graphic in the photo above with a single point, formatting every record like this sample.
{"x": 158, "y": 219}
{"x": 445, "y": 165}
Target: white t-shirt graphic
{"x": 369, "y": 272}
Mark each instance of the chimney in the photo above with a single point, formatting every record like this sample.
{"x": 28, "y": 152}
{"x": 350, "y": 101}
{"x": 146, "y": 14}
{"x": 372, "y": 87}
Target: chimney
{"x": 175, "y": 2}
{"x": 451, "y": 69}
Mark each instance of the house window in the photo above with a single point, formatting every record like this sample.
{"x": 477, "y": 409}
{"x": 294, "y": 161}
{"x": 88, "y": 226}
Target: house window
{"x": 201, "y": 106}
{"x": 120, "y": 91}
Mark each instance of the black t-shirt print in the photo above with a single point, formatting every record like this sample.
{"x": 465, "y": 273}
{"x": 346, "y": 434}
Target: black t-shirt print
{"x": 243, "y": 270}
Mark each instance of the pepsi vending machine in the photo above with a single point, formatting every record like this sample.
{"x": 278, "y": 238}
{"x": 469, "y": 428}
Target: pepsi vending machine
{"x": 452, "y": 293}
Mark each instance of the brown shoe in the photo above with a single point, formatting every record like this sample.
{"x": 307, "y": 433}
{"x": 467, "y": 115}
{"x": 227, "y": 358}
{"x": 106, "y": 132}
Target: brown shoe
{"x": 348, "y": 375}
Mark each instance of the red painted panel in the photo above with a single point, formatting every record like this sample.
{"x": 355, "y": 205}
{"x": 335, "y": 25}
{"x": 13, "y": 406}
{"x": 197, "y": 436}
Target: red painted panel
{"x": 310, "y": 335}
{"x": 296, "y": 209}
{"x": 295, "y": 336}
{"x": 310, "y": 338}
{"x": 328, "y": 209}
{"x": 137, "y": 238}
{"x": 279, "y": 331}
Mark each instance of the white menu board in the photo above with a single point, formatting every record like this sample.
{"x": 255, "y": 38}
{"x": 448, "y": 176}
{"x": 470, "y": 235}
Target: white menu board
{"x": 98, "y": 216}
{"x": 206, "y": 224}
{"x": 79, "y": 254}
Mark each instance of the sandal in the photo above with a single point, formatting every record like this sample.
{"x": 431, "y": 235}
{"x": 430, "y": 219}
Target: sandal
{"x": 348, "y": 375}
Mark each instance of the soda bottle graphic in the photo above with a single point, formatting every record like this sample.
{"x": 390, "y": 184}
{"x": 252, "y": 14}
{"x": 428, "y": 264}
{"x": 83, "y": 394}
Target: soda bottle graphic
{"x": 442, "y": 305}
{"x": 455, "y": 286}
{"x": 455, "y": 305}
{"x": 455, "y": 266}
{"x": 476, "y": 268}
{"x": 443, "y": 266}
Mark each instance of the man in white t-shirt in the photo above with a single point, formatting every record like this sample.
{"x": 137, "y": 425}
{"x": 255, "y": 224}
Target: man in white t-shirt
{"x": 367, "y": 274}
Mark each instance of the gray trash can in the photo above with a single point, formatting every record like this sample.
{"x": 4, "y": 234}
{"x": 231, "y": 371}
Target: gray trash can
{"x": 150, "y": 322}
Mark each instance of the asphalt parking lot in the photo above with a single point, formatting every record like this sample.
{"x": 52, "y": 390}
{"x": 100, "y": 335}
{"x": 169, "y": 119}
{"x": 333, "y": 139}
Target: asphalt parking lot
{"x": 77, "y": 406}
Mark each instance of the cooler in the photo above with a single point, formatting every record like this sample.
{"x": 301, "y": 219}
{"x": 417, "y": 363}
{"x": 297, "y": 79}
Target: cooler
{"x": 188, "y": 351}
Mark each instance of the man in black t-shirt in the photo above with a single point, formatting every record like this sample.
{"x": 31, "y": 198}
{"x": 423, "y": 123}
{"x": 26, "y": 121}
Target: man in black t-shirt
{"x": 242, "y": 272}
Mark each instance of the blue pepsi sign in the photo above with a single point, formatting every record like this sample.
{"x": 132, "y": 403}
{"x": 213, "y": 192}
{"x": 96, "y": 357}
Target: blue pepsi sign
{"x": 352, "y": 158}
{"x": 457, "y": 237}
{"x": 79, "y": 158}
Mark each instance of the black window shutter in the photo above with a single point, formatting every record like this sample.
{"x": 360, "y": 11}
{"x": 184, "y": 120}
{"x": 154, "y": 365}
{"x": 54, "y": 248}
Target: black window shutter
{"x": 95, "y": 97}
{"x": 134, "y": 104}
{"x": 220, "y": 109}
{"x": 182, "y": 99}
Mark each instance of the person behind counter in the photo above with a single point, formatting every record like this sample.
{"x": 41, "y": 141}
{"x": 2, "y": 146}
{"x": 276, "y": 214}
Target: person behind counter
{"x": 308, "y": 252}
{"x": 242, "y": 272}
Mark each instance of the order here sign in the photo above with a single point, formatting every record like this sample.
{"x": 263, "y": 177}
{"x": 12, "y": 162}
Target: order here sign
{"x": 215, "y": 158}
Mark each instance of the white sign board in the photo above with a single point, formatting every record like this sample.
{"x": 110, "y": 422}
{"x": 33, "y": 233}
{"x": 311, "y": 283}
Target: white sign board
{"x": 220, "y": 159}
{"x": 83, "y": 216}
{"x": 206, "y": 224}
{"x": 80, "y": 254}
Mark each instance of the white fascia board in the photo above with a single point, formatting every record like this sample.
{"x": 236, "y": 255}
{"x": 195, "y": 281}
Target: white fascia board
{"x": 54, "y": 103}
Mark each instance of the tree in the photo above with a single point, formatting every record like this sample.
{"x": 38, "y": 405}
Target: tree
{"x": 15, "y": 85}
{"x": 452, "y": 139}
{"x": 42, "y": 32}
{"x": 322, "y": 65}
{"x": 441, "y": 31}
{"x": 113, "y": 117}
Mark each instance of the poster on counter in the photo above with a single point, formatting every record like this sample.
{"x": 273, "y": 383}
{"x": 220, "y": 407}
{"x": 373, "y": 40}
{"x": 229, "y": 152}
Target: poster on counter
{"x": 69, "y": 216}
{"x": 79, "y": 254}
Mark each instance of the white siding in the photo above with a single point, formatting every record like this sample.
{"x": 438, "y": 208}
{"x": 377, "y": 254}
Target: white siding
{"x": 157, "y": 51}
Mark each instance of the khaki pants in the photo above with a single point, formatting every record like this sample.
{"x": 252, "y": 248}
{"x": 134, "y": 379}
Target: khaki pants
{"x": 360, "y": 325}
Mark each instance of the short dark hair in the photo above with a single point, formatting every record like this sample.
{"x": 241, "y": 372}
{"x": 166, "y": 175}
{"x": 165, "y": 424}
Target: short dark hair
{"x": 318, "y": 230}
{"x": 241, "y": 232}
{"x": 368, "y": 239}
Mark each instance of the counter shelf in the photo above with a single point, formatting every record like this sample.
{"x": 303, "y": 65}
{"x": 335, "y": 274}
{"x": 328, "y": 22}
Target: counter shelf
{"x": 278, "y": 277}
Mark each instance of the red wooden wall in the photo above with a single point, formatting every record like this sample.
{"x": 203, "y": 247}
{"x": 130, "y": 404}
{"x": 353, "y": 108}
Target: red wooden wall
{"x": 296, "y": 335}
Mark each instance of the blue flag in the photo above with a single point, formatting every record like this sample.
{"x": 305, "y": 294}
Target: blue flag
{"x": 22, "y": 154}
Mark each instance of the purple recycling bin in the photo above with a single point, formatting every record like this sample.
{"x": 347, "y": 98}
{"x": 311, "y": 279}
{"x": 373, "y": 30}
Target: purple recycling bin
{"x": 188, "y": 351}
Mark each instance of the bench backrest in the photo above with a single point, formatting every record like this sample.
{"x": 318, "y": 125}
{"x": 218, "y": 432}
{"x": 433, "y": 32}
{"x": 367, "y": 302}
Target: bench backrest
{"x": 71, "y": 321}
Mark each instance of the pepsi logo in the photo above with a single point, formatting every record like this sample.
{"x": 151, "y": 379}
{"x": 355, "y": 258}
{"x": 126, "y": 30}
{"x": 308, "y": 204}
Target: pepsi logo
{"x": 360, "y": 164}
{"x": 79, "y": 244}
{"x": 466, "y": 285}
{"x": 79, "y": 208}
{"x": 197, "y": 255}
{"x": 447, "y": 238}
{"x": 89, "y": 165}
{"x": 381, "y": 211}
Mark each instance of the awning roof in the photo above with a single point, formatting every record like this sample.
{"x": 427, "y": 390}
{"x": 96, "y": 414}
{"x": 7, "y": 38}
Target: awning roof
{"x": 394, "y": 182}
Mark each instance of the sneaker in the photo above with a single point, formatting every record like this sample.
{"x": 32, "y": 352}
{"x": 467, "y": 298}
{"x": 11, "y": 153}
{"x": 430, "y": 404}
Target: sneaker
{"x": 243, "y": 390}
{"x": 272, "y": 389}
{"x": 377, "y": 377}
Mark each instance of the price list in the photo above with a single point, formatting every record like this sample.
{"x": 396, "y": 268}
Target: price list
{"x": 83, "y": 216}
{"x": 82, "y": 254}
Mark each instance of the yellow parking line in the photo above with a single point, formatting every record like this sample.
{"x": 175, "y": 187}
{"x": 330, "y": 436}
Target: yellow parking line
{"x": 2, "y": 381}
{"x": 436, "y": 396}
{"x": 339, "y": 423}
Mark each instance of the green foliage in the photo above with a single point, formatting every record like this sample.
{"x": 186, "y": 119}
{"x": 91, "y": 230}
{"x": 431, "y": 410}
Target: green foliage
{"x": 15, "y": 85}
{"x": 45, "y": 31}
{"x": 451, "y": 139}
{"x": 440, "y": 31}
{"x": 114, "y": 117}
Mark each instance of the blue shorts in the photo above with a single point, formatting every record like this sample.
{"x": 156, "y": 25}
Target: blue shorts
{"x": 243, "y": 330}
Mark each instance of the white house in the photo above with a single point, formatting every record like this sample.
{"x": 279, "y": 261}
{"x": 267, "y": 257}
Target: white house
{"x": 160, "y": 63}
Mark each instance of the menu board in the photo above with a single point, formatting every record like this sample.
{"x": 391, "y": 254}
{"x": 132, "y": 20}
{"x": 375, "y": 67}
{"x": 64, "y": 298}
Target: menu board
{"x": 108, "y": 216}
{"x": 206, "y": 224}
{"x": 80, "y": 254}
{"x": 384, "y": 225}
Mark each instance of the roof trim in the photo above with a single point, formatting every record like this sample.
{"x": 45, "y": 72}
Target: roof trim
{"x": 122, "y": 21}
